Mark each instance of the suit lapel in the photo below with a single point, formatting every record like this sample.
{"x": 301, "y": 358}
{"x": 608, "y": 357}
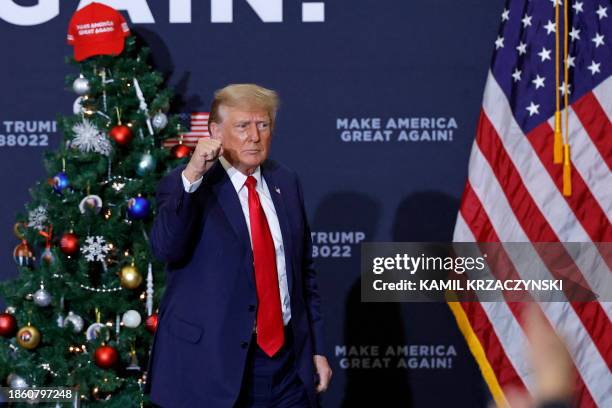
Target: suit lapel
{"x": 275, "y": 192}
{"x": 230, "y": 204}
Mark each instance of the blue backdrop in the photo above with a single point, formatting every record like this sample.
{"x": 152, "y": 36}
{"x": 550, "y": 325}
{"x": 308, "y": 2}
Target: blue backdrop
{"x": 380, "y": 101}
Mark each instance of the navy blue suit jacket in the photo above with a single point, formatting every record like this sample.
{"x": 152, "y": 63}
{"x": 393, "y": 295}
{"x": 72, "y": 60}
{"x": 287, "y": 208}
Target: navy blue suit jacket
{"x": 208, "y": 310}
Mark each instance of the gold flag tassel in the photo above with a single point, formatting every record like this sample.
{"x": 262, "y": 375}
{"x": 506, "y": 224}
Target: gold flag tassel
{"x": 567, "y": 167}
{"x": 567, "y": 171}
{"x": 558, "y": 141}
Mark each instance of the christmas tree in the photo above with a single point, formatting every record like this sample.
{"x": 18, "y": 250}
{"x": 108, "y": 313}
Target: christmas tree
{"x": 82, "y": 309}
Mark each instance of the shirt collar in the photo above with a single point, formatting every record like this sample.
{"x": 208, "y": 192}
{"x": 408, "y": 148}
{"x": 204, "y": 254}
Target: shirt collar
{"x": 238, "y": 178}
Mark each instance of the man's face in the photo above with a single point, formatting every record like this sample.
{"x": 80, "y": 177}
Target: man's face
{"x": 245, "y": 136}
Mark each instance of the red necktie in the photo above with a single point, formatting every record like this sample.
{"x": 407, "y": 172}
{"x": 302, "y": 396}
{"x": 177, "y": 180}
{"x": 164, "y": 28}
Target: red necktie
{"x": 270, "y": 334}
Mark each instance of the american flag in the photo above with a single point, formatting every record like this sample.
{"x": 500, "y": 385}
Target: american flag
{"x": 514, "y": 191}
{"x": 198, "y": 129}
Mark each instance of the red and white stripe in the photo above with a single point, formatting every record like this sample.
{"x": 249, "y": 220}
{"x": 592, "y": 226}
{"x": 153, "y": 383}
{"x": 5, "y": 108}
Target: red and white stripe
{"x": 514, "y": 194}
{"x": 198, "y": 129}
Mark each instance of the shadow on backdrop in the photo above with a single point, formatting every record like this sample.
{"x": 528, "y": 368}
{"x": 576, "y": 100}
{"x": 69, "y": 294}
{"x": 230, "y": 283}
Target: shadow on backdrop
{"x": 365, "y": 324}
{"x": 430, "y": 216}
{"x": 426, "y": 216}
{"x": 183, "y": 99}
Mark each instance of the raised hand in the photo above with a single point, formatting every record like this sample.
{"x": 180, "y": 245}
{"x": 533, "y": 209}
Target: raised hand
{"x": 203, "y": 158}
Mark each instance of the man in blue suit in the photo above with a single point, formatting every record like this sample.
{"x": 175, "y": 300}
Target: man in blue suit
{"x": 240, "y": 322}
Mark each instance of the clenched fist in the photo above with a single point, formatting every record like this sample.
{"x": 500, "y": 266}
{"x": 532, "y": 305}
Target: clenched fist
{"x": 203, "y": 158}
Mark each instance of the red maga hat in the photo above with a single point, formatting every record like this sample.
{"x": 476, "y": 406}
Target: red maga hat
{"x": 97, "y": 29}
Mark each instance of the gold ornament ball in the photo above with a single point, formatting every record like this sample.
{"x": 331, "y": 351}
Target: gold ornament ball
{"x": 28, "y": 337}
{"x": 130, "y": 277}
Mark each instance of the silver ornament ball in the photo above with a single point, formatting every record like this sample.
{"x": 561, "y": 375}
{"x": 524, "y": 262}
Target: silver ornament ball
{"x": 131, "y": 319}
{"x": 145, "y": 164}
{"x": 76, "y": 320}
{"x": 81, "y": 85}
{"x": 15, "y": 381}
{"x": 160, "y": 120}
{"x": 42, "y": 298}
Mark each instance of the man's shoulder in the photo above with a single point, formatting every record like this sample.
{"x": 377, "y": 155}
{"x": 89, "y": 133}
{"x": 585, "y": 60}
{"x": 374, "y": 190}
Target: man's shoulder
{"x": 279, "y": 170}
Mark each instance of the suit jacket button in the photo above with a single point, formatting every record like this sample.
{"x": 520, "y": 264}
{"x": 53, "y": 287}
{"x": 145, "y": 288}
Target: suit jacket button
{"x": 244, "y": 344}
{"x": 251, "y": 308}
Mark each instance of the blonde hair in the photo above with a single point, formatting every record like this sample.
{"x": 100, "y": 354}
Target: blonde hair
{"x": 244, "y": 96}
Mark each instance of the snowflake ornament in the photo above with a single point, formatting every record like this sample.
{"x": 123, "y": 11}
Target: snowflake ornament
{"x": 95, "y": 249}
{"x": 37, "y": 218}
{"x": 87, "y": 138}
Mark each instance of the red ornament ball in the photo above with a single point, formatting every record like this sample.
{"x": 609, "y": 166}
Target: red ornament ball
{"x": 8, "y": 325}
{"x": 69, "y": 244}
{"x": 106, "y": 356}
{"x": 151, "y": 323}
{"x": 180, "y": 150}
{"x": 121, "y": 134}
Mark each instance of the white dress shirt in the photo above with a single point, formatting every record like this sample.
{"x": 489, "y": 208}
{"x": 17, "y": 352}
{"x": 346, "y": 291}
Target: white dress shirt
{"x": 238, "y": 179}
